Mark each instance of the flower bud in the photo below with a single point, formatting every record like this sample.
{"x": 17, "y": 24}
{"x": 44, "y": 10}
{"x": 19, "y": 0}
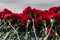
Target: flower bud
{"x": 52, "y": 20}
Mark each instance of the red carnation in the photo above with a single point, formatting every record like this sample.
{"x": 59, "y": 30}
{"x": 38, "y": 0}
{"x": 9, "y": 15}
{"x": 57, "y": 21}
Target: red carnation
{"x": 24, "y": 18}
{"x": 27, "y": 10}
{"x": 55, "y": 9}
{"x": 7, "y": 16}
{"x": 39, "y": 18}
{"x": 45, "y": 11}
{"x": 37, "y": 11}
{"x": 49, "y": 15}
{"x": 1, "y": 13}
{"x": 15, "y": 16}
{"x": 38, "y": 14}
{"x": 6, "y": 11}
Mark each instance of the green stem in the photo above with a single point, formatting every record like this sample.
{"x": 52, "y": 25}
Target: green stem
{"x": 49, "y": 31}
{"x": 34, "y": 30}
{"x": 7, "y": 34}
{"x": 45, "y": 29}
{"x": 9, "y": 37}
{"x": 14, "y": 30}
{"x": 27, "y": 30}
{"x": 3, "y": 25}
{"x": 56, "y": 36}
{"x": 22, "y": 34}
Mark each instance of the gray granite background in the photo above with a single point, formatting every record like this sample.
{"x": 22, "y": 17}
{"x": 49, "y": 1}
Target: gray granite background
{"x": 19, "y": 5}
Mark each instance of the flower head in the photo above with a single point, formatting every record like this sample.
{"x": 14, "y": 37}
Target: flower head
{"x": 8, "y": 16}
{"x": 24, "y": 18}
{"x": 49, "y": 15}
{"x": 6, "y": 11}
{"x": 35, "y": 13}
{"x": 27, "y": 10}
{"x": 55, "y": 9}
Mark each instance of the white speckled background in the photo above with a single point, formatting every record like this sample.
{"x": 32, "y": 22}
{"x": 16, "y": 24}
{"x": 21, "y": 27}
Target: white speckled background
{"x": 19, "y": 5}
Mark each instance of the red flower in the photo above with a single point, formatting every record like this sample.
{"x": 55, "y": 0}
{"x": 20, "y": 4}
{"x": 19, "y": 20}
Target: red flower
{"x": 1, "y": 13}
{"x": 39, "y": 15}
{"x": 51, "y": 32}
{"x": 27, "y": 10}
{"x": 45, "y": 11}
{"x": 49, "y": 15}
{"x": 52, "y": 9}
{"x": 13, "y": 18}
{"x": 6, "y": 11}
{"x": 39, "y": 18}
{"x": 37, "y": 11}
{"x": 8, "y": 16}
{"x": 55, "y": 9}
{"x": 24, "y": 18}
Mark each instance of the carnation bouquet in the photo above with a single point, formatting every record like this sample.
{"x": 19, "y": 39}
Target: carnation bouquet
{"x": 31, "y": 24}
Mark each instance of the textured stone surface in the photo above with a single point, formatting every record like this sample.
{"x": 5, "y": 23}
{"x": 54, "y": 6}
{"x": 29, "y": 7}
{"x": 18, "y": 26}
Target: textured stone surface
{"x": 19, "y": 5}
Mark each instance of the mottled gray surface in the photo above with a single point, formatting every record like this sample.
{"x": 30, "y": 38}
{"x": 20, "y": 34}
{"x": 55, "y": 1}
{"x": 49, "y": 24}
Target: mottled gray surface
{"x": 19, "y": 5}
